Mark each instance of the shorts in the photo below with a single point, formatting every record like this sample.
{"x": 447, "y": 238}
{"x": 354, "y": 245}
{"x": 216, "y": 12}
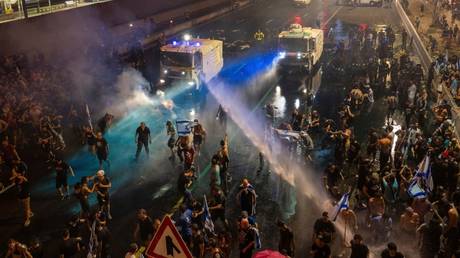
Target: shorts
{"x": 197, "y": 139}
{"x": 171, "y": 142}
{"x": 61, "y": 181}
{"x": 103, "y": 200}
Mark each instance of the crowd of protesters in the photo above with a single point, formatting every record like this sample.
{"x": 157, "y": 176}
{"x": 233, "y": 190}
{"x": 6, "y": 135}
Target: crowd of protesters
{"x": 401, "y": 185}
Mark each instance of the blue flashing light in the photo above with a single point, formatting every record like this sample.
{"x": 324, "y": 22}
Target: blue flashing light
{"x": 174, "y": 43}
{"x": 197, "y": 44}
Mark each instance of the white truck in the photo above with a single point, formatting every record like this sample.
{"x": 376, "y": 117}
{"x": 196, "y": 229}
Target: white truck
{"x": 191, "y": 63}
{"x": 300, "y": 47}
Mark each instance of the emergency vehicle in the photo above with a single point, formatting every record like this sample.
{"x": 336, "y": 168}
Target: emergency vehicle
{"x": 190, "y": 63}
{"x": 300, "y": 47}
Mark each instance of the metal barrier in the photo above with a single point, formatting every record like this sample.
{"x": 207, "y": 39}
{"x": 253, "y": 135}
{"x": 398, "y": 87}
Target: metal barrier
{"x": 426, "y": 61}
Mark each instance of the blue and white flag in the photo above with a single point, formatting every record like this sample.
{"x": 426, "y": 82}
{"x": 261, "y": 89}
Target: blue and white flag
{"x": 343, "y": 204}
{"x": 208, "y": 224}
{"x": 422, "y": 183}
{"x": 184, "y": 127}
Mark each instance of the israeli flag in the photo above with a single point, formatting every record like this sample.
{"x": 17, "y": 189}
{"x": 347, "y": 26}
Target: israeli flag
{"x": 416, "y": 189}
{"x": 208, "y": 224}
{"x": 184, "y": 127}
{"x": 422, "y": 183}
{"x": 343, "y": 204}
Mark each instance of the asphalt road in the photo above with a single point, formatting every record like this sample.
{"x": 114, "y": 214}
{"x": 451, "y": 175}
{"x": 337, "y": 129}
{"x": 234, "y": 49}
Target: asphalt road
{"x": 249, "y": 75}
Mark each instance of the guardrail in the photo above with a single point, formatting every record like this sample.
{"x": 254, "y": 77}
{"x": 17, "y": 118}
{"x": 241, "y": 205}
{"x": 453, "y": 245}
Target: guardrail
{"x": 426, "y": 61}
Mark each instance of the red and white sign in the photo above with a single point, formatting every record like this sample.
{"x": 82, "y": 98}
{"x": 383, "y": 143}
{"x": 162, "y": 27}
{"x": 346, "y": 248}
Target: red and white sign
{"x": 167, "y": 242}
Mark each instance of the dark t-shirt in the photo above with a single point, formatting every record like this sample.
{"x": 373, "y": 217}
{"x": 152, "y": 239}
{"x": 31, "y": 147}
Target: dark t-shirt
{"x": 61, "y": 169}
{"x": 246, "y": 237}
{"x": 143, "y": 135}
{"x": 23, "y": 189}
{"x": 197, "y": 240}
{"x": 386, "y": 254}
{"x": 101, "y": 145}
{"x": 321, "y": 252}
{"x": 359, "y": 251}
{"x": 286, "y": 239}
{"x": 145, "y": 228}
{"x": 68, "y": 247}
{"x": 104, "y": 181}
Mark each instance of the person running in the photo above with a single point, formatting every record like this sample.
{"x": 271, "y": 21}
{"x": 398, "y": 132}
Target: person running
{"x": 142, "y": 139}
{"x": 171, "y": 132}
{"x": 199, "y": 136}
{"x": 102, "y": 150}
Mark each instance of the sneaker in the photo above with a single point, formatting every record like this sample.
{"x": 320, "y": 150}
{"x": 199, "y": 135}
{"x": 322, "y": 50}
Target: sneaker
{"x": 27, "y": 223}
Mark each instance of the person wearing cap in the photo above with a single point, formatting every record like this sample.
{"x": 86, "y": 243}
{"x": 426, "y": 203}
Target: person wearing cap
{"x": 391, "y": 251}
{"x": 199, "y": 136}
{"x": 142, "y": 138}
{"x": 103, "y": 185}
{"x": 324, "y": 227}
{"x": 358, "y": 248}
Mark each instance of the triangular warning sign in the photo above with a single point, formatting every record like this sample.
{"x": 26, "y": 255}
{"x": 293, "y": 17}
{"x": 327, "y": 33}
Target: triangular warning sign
{"x": 167, "y": 242}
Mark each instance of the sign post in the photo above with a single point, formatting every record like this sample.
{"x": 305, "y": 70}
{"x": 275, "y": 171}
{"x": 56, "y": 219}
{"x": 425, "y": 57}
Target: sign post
{"x": 167, "y": 242}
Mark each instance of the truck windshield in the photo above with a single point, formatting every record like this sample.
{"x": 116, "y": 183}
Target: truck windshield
{"x": 293, "y": 44}
{"x": 177, "y": 59}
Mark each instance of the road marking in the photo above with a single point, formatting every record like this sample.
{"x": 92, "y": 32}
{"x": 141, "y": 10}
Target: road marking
{"x": 269, "y": 21}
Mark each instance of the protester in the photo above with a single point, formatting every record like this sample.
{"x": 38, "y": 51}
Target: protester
{"x": 142, "y": 139}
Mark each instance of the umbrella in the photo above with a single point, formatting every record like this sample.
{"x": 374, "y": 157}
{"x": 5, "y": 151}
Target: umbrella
{"x": 268, "y": 254}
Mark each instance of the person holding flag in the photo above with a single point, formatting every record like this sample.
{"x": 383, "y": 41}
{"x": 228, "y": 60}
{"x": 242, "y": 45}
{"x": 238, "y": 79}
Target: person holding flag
{"x": 207, "y": 221}
{"x": 422, "y": 183}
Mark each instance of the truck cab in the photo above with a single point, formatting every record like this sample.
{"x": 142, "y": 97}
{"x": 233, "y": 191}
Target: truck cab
{"x": 300, "y": 47}
{"x": 190, "y": 63}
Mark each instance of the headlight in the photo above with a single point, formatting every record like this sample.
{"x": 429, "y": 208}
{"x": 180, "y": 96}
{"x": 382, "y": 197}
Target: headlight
{"x": 183, "y": 73}
{"x": 162, "y": 81}
{"x": 165, "y": 71}
{"x": 191, "y": 83}
{"x": 282, "y": 55}
{"x": 299, "y": 55}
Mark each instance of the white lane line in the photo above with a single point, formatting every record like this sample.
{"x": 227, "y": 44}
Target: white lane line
{"x": 269, "y": 21}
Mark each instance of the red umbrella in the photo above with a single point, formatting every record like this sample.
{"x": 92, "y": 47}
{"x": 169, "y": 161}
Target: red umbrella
{"x": 268, "y": 254}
